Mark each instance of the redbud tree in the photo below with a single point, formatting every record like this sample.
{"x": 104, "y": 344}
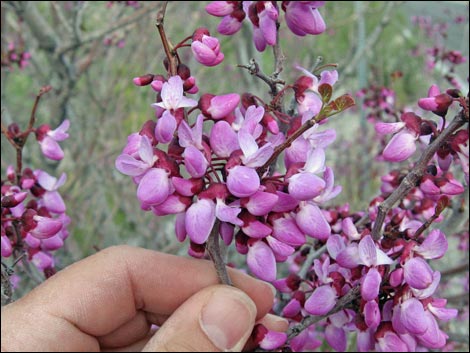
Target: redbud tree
{"x": 250, "y": 172}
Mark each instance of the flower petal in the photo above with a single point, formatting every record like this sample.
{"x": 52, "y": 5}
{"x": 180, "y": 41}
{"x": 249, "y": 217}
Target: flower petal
{"x": 199, "y": 220}
{"x": 261, "y": 262}
{"x": 400, "y": 147}
{"x": 243, "y": 181}
{"x": 154, "y": 187}
{"x": 322, "y": 300}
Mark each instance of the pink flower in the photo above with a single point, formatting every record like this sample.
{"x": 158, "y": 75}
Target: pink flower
{"x": 370, "y": 254}
{"x": 232, "y": 13}
{"x": 322, "y": 300}
{"x": 218, "y": 107}
{"x": 372, "y": 314}
{"x": 6, "y": 248}
{"x": 436, "y": 102}
{"x": 261, "y": 203}
{"x": 173, "y": 95}
{"x": 370, "y": 285}
{"x": 191, "y": 136}
{"x": 400, "y": 148}
{"x": 206, "y": 49}
{"x": 402, "y": 145}
{"x": 417, "y": 273}
{"x": 305, "y": 185}
{"x": 45, "y": 227}
{"x": 311, "y": 221}
{"x": 228, "y": 213}
{"x": 51, "y": 198}
{"x": 263, "y": 15}
{"x": 223, "y": 139}
{"x": 220, "y": 8}
{"x": 199, "y": 220}
{"x": 253, "y": 156}
{"x": 267, "y": 339}
{"x": 302, "y": 17}
{"x": 143, "y": 80}
{"x": 336, "y": 337}
{"x": 141, "y": 159}
{"x": 409, "y": 317}
{"x": 261, "y": 261}
{"x": 195, "y": 162}
{"x": 43, "y": 260}
{"x": 286, "y": 230}
{"x": 165, "y": 127}
{"x": 243, "y": 181}
{"x": 154, "y": 187}
{"x": 434, "y": 246}
{"x": 48, "y": 139}
{"x": 391, "y": 342}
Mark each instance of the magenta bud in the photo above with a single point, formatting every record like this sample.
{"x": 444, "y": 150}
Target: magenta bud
{"x": 13, "y": 200}
{"x": 143, "y": 80}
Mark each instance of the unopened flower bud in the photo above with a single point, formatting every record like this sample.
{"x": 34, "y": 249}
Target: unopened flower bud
{"x": 143, "y": 80}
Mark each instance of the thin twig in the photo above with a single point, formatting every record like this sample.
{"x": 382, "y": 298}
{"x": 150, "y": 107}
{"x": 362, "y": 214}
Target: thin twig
{"x": 312, "y": 256}
{"x": 271, "y": 81}
{"x": 278, "y": 150}
{"x": 213, "y": 248}
{"x": 413, "y": 177}
{"x": 169, "y": 50}
{"x": 426, "y": 225}
{"x": 279, "y": 59}
{"x": 7, "y": 135}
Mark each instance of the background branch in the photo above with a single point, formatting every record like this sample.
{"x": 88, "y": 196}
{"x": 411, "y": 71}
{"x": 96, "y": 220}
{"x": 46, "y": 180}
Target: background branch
{"x": 413, "y": 177}
{"x": 350, "y": 63}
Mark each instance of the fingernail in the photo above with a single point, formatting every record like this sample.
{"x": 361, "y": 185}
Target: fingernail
{"x": 228, "y": 319}
{"x": 276, "y": 319}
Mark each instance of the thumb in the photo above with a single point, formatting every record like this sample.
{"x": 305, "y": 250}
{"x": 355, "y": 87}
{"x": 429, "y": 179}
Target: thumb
{"x": 217, "y": 318}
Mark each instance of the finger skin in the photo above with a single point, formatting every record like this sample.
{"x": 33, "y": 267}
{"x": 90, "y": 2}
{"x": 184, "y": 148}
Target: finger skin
{"x": 132, "y": 331}
{"x": 96, "y": 296}
{"x": 183, "y": 331}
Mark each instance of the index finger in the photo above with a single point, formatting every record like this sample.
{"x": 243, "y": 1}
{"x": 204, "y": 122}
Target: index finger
{"x": 104, "y": 291}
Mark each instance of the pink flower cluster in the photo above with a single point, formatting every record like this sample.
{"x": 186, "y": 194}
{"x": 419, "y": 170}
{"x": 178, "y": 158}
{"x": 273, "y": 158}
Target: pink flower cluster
{"x": 15, "y": 55}
{"x": 412, "y": 128}
{"x": 302, "y": 18}
{"x": 438, "y": 52}
{"x": 220, "y": 176}
{"x": 395, "y": 311}
{"x": 33, "y": 212}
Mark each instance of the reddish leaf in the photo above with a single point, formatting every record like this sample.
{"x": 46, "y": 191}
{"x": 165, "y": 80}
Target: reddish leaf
{"x": 441, "y": 205}
{"x": 344, "y": 102}
{"x": 326, "y": 91}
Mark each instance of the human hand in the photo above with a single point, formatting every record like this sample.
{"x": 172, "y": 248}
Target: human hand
{"x": 108, "y": 301}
